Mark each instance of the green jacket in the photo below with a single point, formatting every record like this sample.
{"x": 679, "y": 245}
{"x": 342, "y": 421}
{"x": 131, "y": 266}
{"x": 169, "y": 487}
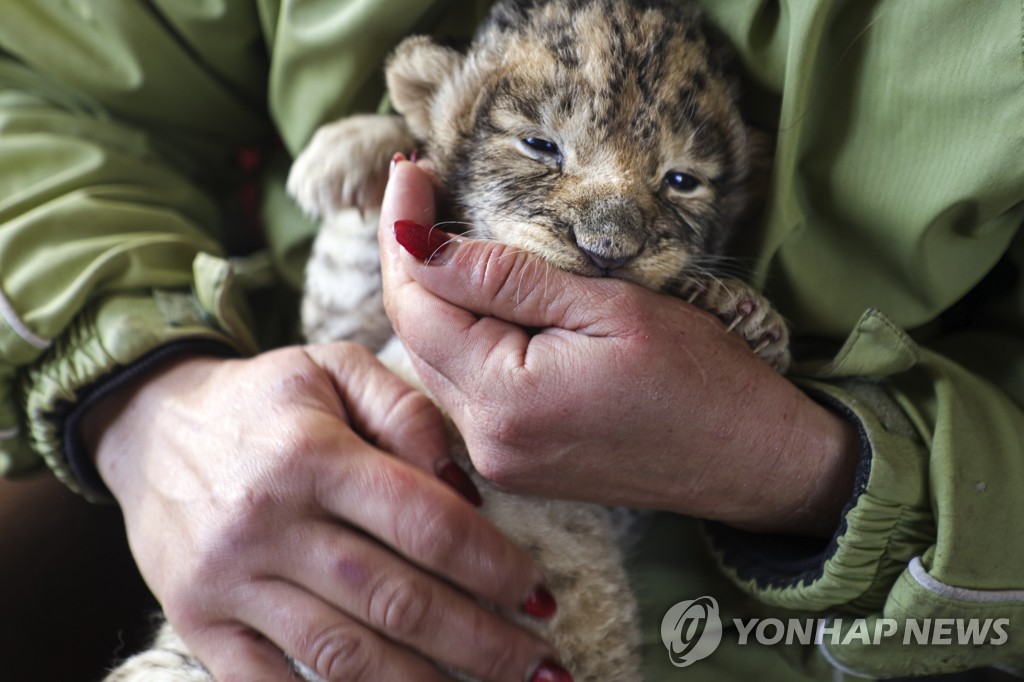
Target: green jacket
{"x": 894, "y": 224}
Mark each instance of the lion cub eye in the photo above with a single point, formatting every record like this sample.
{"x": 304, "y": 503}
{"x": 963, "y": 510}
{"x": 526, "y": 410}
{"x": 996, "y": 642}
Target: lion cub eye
{"x": 681, "y": 182}
{"x": 540, "y": 150}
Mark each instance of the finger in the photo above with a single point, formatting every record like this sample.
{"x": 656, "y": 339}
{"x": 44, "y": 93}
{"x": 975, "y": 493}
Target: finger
{"x": 427, "y": 522}
{"x": 328, "y": 643}
{"x": 235, "y": 653}
{"x": 384, "y": 409}
{"x": 409, "y": 606}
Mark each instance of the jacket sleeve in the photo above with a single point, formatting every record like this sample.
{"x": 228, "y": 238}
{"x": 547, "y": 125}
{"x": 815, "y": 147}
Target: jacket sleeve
{"x": 117, "y": 171}
{"x": 117, "y": 126}
{"x": 896, "y": 224}
{"x": 107, "y": 252}
{"x": 931, "y": 530}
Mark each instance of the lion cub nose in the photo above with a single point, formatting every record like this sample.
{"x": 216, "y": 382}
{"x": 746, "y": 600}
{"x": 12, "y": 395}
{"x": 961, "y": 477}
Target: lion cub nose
{"x": 607, "y": 262}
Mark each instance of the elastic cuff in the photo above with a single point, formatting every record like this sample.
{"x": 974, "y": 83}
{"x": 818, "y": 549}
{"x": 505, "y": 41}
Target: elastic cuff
{"x": 117, "y": 335}
{"x": 886, "y": 522}
{"x": 768, "y": 560}
{"x": 67, "y": 416}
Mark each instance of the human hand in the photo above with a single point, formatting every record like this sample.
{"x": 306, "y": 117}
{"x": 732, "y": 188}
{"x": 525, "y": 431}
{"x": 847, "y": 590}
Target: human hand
{"x": 267, "y": 513}
{"x": 601, "y": 390}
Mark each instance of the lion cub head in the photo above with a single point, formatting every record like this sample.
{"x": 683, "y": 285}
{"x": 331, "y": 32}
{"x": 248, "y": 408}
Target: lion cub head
{"x": 603, "y": 135}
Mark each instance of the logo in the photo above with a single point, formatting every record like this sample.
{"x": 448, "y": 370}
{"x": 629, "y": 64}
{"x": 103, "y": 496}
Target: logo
{"x": 691, "y": 630}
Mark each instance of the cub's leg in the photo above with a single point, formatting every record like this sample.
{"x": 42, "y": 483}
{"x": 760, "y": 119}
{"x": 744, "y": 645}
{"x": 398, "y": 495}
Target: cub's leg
{"x": 340, "y": 178}
{"x": 169, "y": 660}
{"x": 749, "y": 314}
{"x": 596, "y": 629}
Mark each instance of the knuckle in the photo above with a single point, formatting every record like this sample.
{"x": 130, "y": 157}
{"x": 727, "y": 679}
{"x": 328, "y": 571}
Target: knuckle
{"x": 494, "y": 467}
{"x": 296, "y": 443}
{"x": 498, "y": 664}
{"x": 400, "y": 607}
{"x": 490, "y": 447}
{"x": 435, "y": 536}
{"x": 398, "y": 487}
{"x": 411, "y": 415}
{"x": 501, "y": 270}
{"x": 187, "y": 616}
{"x": 498, "y": 658}
{"x": 503, "y": 426}
{"x": 411, "y": 405}
{"x": 340, "y": 653}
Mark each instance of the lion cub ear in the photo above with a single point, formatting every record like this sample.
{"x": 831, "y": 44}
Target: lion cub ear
{"x": 415, "y": 71}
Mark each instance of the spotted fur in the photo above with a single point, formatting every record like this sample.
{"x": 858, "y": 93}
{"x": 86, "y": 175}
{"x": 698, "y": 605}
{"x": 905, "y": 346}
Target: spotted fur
{"x": 628, "y": 92}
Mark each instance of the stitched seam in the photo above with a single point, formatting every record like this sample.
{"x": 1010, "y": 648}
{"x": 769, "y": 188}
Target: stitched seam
{"x": 905, "y": 340}
{"x": 9, "y": 315}
{"x": 935, "y": 586}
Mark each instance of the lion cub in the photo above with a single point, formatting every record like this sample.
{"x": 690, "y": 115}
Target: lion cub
{"x": 602, "y": 135}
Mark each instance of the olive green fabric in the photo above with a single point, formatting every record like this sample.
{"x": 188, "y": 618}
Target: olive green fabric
{"x": 898, "y": 188}
{"x": 118, "y": 126}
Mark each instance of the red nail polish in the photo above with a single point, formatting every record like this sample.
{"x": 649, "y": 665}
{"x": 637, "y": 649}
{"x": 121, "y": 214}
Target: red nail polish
{"x": 452, "y": 474}
{"x": 421, "y": 241}
{"x": 549, "y": 671}
{"x": 395, "y": 160}
{"x": 540, "y": 604}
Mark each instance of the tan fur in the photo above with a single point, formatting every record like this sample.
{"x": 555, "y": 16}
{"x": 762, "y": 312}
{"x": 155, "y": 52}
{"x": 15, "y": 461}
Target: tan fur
{"x": 630, "y": 92}
{"x": 625, "y": 94}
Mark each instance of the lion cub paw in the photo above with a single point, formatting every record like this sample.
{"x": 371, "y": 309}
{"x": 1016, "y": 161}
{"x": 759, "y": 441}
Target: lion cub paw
{"x": 346, "y": 163}
{"x": 750, "y": 315}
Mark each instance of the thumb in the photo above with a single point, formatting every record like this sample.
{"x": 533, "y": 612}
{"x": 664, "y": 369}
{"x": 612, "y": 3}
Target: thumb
{"x": 409, "y": 196}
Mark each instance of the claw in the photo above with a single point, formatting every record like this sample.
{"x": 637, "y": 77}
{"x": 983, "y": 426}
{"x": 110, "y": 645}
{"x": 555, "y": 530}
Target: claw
{"x": 743, "y": 310}
{"x": 767, "y": 339}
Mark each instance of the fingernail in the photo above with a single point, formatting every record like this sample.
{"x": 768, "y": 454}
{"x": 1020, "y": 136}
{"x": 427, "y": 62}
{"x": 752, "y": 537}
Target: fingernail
{"x": 452, "y": 474}
{"x": 540, "y": 604}
{"x": 414, "y": 156}
{"x": 550, "y": 671}
{"x": 398, "y": 157}
{"x": 425, "y": 243}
